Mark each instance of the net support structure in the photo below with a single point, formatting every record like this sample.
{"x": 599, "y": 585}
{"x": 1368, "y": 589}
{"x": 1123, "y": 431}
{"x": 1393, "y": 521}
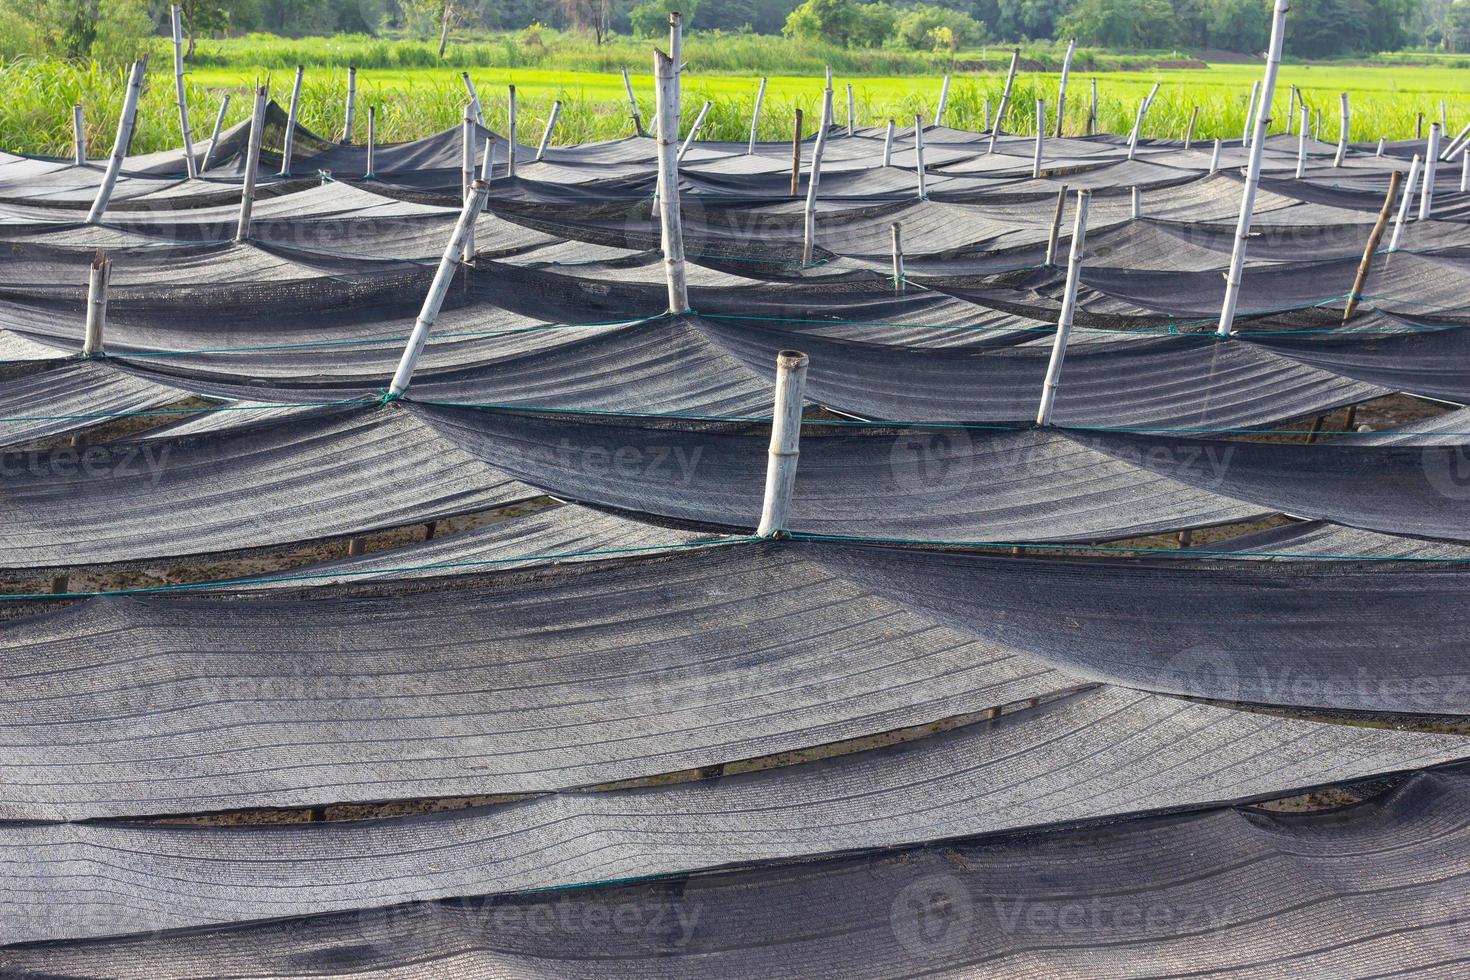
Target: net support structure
{"x": 351, "y": 114}
{"x": 1250, "y": 114}
{"x": 78, "y": 136}
{"x": 919, "y": 172}
{"x": 474, "y": 203}
{"x": 1456, "y": 144}
{"x": 1253, "y": 170}
{"x": 888, "y": 145}
{"x": 550, "y": 128}
{"x": 125, "y": 121}
{"x": 633, "y": 104}
{"x": 1301, "y": 146}
{"x": 1344, "y": 120}
{"x": 1069, "y": 306}
{"x": 470, "y": 139}
{"x": 755, "y": 116}
{"x": 1215, "y": 157}
{"x": 809, "y": 210}
{"x": 897, "y": 257}
{"x": 252, "y": 165}
{"x": 191, "y": 166}
{"x": 469, "y": 87}
{"x": 1137, "y": 130}
{"x": 666, "y": 89}
{"x": 1062, "y": 84}
{"x": 288, "y": 143}
{"x": 510, "y": 133}
{"x": 1402, "y": 218}
{"x": 1040, "y": 138}
{"x": 1431, "y": 168}
{"x": 851, "y": 112}
{"x": 370, "y": 171}
{"x": 1374, "y": 237}
{"x": 943, "y": 102}
{"x": 1005, "y": 98}
{"x": 98, "y": 278}
{"x": 694, "y": 130}
{"x": 785, "y": 447}
{"x": 1189, "y": 129}
{"x": 1056, "y": 228}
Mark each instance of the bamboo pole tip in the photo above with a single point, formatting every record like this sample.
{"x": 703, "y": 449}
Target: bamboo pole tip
{"x": 791, "y": 360}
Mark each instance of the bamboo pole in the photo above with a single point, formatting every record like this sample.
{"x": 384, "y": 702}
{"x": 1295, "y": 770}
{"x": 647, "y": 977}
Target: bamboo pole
{"x": 986, "y": 128}
{"x": 633, "y": 103}
{"x": 1290, "y": 107}
{"x": 851, "y": 112}
{"x": 468, "y": 137}
{"x": 351, "y": 113}
{"x": 1301, "y": 147}
{"x": 98, "y": 278}
{"x": 219, "y": 121}
{"x": 510, "y": 135}
{"x": 785, "y": 447}
{"x": 943, "y": 102}
{"x": 1092, "y": 111}
{"x": 1419, "y": 128}
{"x": 1464, "y": 171}
{"x": 1456, "y": 144}
{"x": 1382, "y": 142}
{"x": 551, "y": 128}
{"x": 1064, "y": 318}
{"x": 252, "y": 164}
{"x": 1189, "y": 129}
{"x": 469, "y": 87}
{"x": 474, "y": 203}
{"x": 1250, "y": 113}
{"x": 78, "y": 136}
{"x": 694, "y": 130}
{"x": 1344, "y": 121}
{"x": 370, "y": 171}
{"x": 120, "y": 143}
{"x": 1431, "y": 168}
{"x": 888, "y": 145}
{"x": 1374, "y": 237}
{"x": 1005, "y": 97}
{"x": 1215, "y": 158}
{"x": 444, "y": 29}
{"x": 1253, "y": 171}
{"x": 1317, "y": 125}
{"x": 1402, "y": 218}
{"x": 919, "y": 170}
{"x": 755, "y": 116}
{"x": 796, "y": 157}
{"x": 191, "y": 166}
{"x": 1056, "y": 228}
{"x": 487, "y": 167}
{"x": 1040, "y": 136}
{"x": 1137, "y": 197}
{"x": 898, "y": 284}
{"x": 809, "y": 212}
{"x": 1143, "y": 107}
{"x": 667, "y": 91}
{"x": 289, "y": 141}
{"x": 1062, "y": 85}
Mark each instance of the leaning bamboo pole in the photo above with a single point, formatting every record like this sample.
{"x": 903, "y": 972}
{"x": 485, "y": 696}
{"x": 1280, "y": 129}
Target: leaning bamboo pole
{"x": 191, "y": 166}
{"x": 125, "y": 122}
{"x": 1374, "y": 237}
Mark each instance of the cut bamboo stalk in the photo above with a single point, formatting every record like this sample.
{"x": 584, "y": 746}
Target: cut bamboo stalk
{"x": 61, "y": 584}
{"x": 252, "y": 165}
{"x": 1402, "y": 218}
{"x": 474, "y": 203}
{"x": 694, "y": 130}
{"x": 1374, "y": 237}
{"x": 487, "y": 168}
{"x": 120, "y": 143}
{"x": 469, "y": 87}
{"x": 633, "y": 103}
{"x": 1382, "y": 142}
{"x": 1137, "y": 197}
{"x": 796, "y": 157}
{"x": 510, "y": 135}
{"x": 888, "y": 145}
{"x": 1250, "y": 114}
{"x": 1343, "y": 124}
{"x": 351, "y": 113}
{"x": 468, "y": 138}
{"x": 986, "y": 128}
{"x": 1419, "y": 128}
{"x": 755, "y": 115}
{"x": 1056, "y": 228}
{"x": 919, "y": 171}
{"x": 785, "y": 446}
{"x": 191, "y": 166}
{"x": 1005, "y": 97}
{"x": 1317, "y": 125}
{"x": 1189, "y": 129}
{"x": 551, "y": 128}
{"x": 289, "y": 141}
{"x": 1456, "y": 144}
{"x": 1215, "y": 157}
{"x": 851, "y": 113}
{"x": 1301, "y": 147}
{"x": 1464, "y": 171}
{"x": 1253, "y": 172}
{"x": 1069, "y": 306}
{"x": 1062, "y": 85}
{"x": 667, "y": 82}
{"x": 1431, "y": 169}
{"x": 1290, "y": 107}
{"x": 809, "y": 212}
{"x": 943, "y": 102}
{"x": 98, "y": 278}
{"x": 78, "y": 136}
{"x": 355, "y": 547}
{"x": 1040, "y": 136}
{"x": 219, "y": 121}
{"x": 370, "y": 172}
{"x": 1143, "y": 107}
{"x": 1092, "y": 111}
{"x": 897, "y": 257}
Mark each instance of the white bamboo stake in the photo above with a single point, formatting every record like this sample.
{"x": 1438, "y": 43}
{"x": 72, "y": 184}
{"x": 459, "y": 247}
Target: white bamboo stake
{"x": 785, "y": 448}
{"x": 219, "y": 121}
{"x": 1301, "y": 146}
{"x": 1317, "y": 125}
{"x": 78, "y": 136}
{"x": 943, "y": 102}
{"x": 1215, "y": 157}
{"x": 755, "y": 115}
{"x": 1402, "y": 217}
{"x": 888, "y": 145}
{"x": 1444, "y": 116}
{"x": 1092, "y": 110}
{"x": 1069, "y": 306}
{"x": 633, "y": 102}
{"x": 1056, "y": 228}
{"x": 351, "y": 114}
{"x": 1290, "y": 107}
{"x": 1189, "y": 129}
{"x": 1143, "y": 107}
{"x": 1382, "y": 142}
{"x": 510, "y": 135}
{"x": 919, "y": 170}
{"x": 897, "y": 257}
{"x": 1250, "y": 114}
{"x": 1344, "y": 122}
{"x": 370, "y": 172}
{"x": 694, "y": 130}
{"x": 1062, "y": 85}
{"x": 1005, "y": 97}
{"x": 1431, "y": 169}
{"x": 289, "y": 142}
{"x": 1137, "y": 204}
{"x": 487, "y": 168}
{"x": 1464, "y": 170}
{"x": 809, "y": 211}
{"x": 252, "y": 165}
{"x": 1456, "y": 144}
{"x": 986, "y": 127}
{"x": 97, "y": 281}
{"x": 1253, "y": 171}
{"x": 468, "y": 137}
{"x": 1040, "y": 137}
{"x": 666, "y": 81}
{"x": 191, "y": 166}
{"x": 474, "y": 203}
{"x": 851, "y": 112}
{"x": 125, "y": 121}
{"x": 550, "y": 128}
{"x": 469, "y": 87}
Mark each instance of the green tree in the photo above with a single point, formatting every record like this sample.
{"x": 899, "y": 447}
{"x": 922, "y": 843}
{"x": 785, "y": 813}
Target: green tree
{"x": 1457, "y": 27}
{"x": 651, "y": 18}
{"x": 875, "y": 24}
{"x": 916, "y": 28}
{"x": 831, "y": 20}
{"x": 1120, "y": 23}
{"x": 108, "y": 30}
